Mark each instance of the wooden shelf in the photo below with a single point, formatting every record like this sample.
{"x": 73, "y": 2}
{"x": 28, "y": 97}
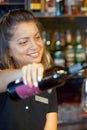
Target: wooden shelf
{"x": 12, "y": 3}
{"x": 43, "y": 15}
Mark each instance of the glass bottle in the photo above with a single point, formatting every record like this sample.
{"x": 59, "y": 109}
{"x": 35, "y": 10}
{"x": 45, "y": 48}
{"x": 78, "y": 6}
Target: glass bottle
{"x": 69, "y": 49}
{"x": 55, "y": 76}
{"x": 50, "y": 7}
{"x": 85, "y": 42}
{"x": 79, "y": 48}
{"x": 84, "y": 96}
{"x": 48, "y": 41}
{"x": 79, "y": 51}
{"x": 35, "y": 5}
{"x": 84, "y": 7}
{"x": 60, "y": 7}
{"x": 58, "y": 55}
{"x": 68, "y": 7}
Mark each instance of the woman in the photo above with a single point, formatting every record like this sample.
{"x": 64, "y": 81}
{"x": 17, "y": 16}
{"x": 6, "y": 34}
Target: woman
{"x": 23, "y": 55}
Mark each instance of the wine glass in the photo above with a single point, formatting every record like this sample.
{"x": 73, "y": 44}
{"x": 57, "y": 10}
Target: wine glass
{"x": 84, "y": 96}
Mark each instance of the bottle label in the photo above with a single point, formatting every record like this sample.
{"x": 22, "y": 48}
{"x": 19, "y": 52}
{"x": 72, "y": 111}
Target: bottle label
{"x": 80, "y": 57}
{"x": 60, "y": 62}
{"x": 35, "y": 6}
{"x": 24, "y": 91}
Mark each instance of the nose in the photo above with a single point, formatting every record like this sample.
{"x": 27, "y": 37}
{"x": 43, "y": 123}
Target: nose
{"x": 33, "y": 44}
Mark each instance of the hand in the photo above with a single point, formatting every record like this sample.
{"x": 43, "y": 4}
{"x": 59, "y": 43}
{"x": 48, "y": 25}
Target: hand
{"x": 32, "y": 73}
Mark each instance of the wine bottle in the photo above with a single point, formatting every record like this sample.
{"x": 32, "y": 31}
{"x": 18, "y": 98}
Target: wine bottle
{"x": 69, "y": 49}
{"x": 58, "y": 55}
{"x": 54, "y": 77}
{"x": 60, "y": 7}
{"x": 35, "y": 5}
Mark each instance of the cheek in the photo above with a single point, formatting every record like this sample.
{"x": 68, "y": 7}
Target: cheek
{"x": 16, "y": 52}
{"x": 41, "y": 45}
{"x": 41, "y": 49}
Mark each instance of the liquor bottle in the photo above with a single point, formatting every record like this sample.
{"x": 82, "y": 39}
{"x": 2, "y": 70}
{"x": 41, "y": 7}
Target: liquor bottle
{"x": 58, "y": 55}
{"x": 85, "y": 42}
{"x": 85, "y": 48}
{"x": 79, "y": 50}
{"x": 44, "y": 36}
{"x": 60, "y": 7}
{"x": 48, "y": 41}
{"x": 68, "y": 7}
{"x": 84, "y": 7}
{"x": 72, "y": 7}
{"x": 35, "y": 5}
{"x": 62, "y": 39}
{"x": 50, "y": 7}
{"x": 55, "y": 76}
{"x": 76, "y": 7}
{"x": 69, "y": 49}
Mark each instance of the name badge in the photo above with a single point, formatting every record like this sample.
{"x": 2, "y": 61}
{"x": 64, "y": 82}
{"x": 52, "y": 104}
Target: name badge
{"x": 41, "y": 99}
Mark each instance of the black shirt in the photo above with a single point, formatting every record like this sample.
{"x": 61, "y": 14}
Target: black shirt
{"x": 27, "y": 114}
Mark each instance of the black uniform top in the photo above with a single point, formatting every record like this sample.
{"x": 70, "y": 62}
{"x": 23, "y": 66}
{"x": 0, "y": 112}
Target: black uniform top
{"x": 27, "y": 114}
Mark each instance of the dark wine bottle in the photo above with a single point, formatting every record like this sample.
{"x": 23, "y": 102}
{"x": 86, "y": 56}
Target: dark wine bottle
{"x": 54, "y": 77}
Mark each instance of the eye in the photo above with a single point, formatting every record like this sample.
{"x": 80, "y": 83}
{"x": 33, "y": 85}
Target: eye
{"x": 23, "y": 42}
{"x": 38, "y": 37}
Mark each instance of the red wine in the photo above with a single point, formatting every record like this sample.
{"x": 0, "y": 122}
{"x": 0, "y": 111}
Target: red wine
{"x": 54, "y": 77}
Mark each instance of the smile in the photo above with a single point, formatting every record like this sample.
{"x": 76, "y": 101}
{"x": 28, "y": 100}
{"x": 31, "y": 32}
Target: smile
{"x": 34, "y": 54}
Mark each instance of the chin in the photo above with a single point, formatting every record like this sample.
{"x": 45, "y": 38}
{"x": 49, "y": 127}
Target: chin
{"x": 36, "y": 61}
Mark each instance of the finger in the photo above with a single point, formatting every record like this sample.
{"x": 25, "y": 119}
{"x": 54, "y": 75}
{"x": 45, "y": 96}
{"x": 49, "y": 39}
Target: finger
{"x": 29, "y": 75}
{"x": 35, "y": 74}
{"x": 40, "y": 72}
{"x": 24, "y": 68}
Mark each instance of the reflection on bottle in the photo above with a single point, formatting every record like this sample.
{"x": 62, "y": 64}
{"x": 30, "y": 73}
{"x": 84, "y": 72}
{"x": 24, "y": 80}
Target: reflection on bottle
{"x": 84, "y": 96}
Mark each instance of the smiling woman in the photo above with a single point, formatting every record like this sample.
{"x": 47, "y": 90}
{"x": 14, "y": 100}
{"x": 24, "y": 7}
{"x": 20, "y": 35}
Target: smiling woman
{"x": 24, "y": 56}
{"x": 28, "y": 46}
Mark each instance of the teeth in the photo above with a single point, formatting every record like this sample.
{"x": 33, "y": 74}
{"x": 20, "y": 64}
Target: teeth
{"x": 34, "y": 54}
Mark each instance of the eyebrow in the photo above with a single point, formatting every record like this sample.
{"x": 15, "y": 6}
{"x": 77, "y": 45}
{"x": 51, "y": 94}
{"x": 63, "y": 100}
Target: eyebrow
{"x": 22, "y": 38}
{"x": 28, "y": 36}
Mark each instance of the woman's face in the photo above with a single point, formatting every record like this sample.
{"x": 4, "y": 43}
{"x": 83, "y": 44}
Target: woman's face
{"x": 26, "y": 45}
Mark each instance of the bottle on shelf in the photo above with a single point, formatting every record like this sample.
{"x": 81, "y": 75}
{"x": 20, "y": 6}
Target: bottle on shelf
{"x": 62, "y": 39}
{"x": 84, "y": 7}
{"x": 69, "y": 49}
{"x": 60, "y": 7}
{"x": 85, "y": 42}
{"x": 50, "y": 7}
{"x": 35, "y": 5}
{"x": 76, "y": 7}
{"x": 44, "y": 36}
{"x": 79, "y": 51}
{"x": 53, "y": 77}
{"x": 72, "y": 7}
{"x": 68, "y": 7}
{"x": 58, "y": 54}
{"x": 85, "y": 48}
{"x": 48, "y": 41}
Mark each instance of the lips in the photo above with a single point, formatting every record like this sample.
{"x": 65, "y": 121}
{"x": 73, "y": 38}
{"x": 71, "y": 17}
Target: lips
{"x": 34, "y": 54}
